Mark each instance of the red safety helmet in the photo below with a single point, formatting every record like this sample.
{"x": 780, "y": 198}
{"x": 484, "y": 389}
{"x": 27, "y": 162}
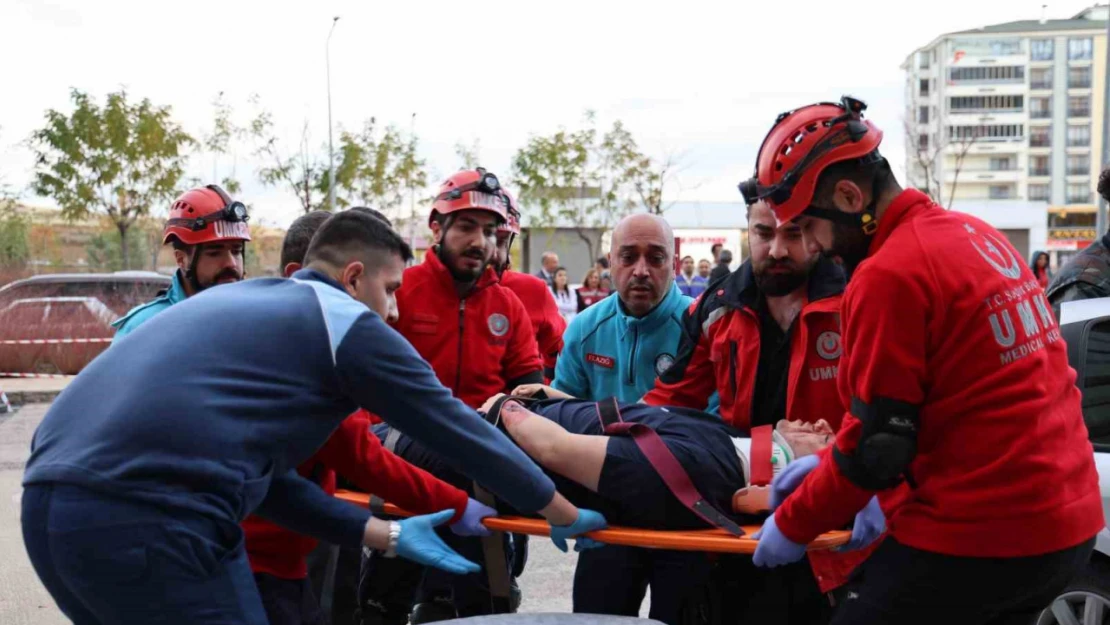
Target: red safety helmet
{"x": 800, "y": 145}
{"x": 206, "y": 215}
{"x": 471, "y": 189}
{"x": 512, "y": 222}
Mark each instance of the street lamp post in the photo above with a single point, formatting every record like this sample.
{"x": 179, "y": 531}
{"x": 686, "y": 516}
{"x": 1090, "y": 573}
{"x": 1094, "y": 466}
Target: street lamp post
{"x": 331, "y": 150}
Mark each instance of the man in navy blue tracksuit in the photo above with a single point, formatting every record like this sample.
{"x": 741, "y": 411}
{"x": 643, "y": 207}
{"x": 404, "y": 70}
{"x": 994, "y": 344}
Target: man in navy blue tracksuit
{"x": 143, "y": 468}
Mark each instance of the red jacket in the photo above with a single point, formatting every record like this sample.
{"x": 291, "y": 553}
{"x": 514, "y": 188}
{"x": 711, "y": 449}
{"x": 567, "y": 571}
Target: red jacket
{"x": 476, "y": 345}
{"x": 945, "y": 316}
{"x": 543, "y": 312}
{"x": 720, "y": 352}
{"x": 353, "y": 451}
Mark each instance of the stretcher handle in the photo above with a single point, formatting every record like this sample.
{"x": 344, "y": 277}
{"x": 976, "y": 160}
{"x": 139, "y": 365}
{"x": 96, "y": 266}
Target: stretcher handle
{"x": 709, "y": 540}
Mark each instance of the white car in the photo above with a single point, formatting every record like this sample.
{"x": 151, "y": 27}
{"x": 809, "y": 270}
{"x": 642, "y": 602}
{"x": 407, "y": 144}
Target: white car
{"x": 1085, "y": 326}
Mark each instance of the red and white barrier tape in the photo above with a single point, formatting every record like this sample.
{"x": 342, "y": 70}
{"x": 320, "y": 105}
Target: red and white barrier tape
{"x": 52, "y": 341}
{"x": 34, "y": 375}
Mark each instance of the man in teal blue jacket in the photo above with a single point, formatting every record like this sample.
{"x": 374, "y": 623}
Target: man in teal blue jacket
{"x": 208, "y": 231}
{"x": 618, "y": 346}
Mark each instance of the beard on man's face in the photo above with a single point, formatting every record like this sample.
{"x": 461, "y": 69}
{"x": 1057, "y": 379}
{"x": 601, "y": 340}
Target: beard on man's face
{"x": 776, "y": 277}
{"x": 850, "y": 244}
{"x": 464, "y": 272}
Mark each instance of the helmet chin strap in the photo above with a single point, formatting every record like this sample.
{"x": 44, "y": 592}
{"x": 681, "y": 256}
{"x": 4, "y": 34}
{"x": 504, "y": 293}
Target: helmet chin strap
{"x": 865, "y": 220}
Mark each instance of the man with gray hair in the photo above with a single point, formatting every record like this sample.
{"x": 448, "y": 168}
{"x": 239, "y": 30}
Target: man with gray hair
{"x": 549, "y": 262}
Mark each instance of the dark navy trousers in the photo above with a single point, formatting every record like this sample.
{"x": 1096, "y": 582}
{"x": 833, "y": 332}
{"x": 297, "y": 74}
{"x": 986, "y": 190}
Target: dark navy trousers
{"x": 110, "y": 560}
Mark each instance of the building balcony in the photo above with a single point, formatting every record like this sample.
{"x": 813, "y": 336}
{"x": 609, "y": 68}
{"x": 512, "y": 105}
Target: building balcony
{"x": 982, "y": 176}
{"x": 1040, "y": 85}
{"x": 1079, "y": 171}
{"x": 1079, "y": 84}
{"x": 1040, "y": 114}
{"x": 1079, "y": 112}
{"x": 1040, "y": 142}
{"x": 1040, "y": 172}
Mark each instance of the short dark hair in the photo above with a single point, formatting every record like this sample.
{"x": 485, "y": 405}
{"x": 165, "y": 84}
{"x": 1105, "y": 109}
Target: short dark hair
{"x": 873, "y": 177}
{"x": 685, "y": 257}
{"x": 603, "y": 261}
{"x": 715, "y": 247}
{"x": 299, "y": 235}
{"x": 725, "y": 257}
{"x": 373, "y": 213}
{"x": 1104, "y": 184}
{"x": 354, "y": 235}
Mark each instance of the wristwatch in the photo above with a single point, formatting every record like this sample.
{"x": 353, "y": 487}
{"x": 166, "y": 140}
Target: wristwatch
{"x": 394, "y": 538}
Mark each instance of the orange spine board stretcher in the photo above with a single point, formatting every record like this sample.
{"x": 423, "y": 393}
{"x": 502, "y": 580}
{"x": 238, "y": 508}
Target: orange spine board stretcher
{"x": 710, "y": 540}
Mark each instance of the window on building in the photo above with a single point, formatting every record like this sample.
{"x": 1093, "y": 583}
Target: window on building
{"x": 1080, "y": 49}
{"x": 990, "y": 132}
{"x": 923, "y": 142}
{"x": 1002, "y": 163}
{"x": 1079, "y": 164}
{"x": 1001, "y": 191}
{"x": 923, "y": 60}
{"x": 986, "y": 103}
{"x": 1079, "y": 77}
{"x": 1040, "y": 78}
{"x": 1005, "y": 73}
{"x": 1079, "y": 193}
{"x": 1079, "y": 136}
{"x": 1039, "y": 192}
{"x": 1040, "y": 108}
{"x": 923, "y": 115}
{"x": 1079, "y": 106}
{"x": 1040, "y": 136}
{"x": 923, "y": 87}
{"x": 1040, "y": 165}
{"x": 1040, "y": 49}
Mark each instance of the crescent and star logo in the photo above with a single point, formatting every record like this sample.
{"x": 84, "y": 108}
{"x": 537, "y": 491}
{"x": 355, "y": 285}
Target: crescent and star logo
{"x": 996, "y": 253}
{"x": 828, "y": 345}
{"x": 498, "y": 324}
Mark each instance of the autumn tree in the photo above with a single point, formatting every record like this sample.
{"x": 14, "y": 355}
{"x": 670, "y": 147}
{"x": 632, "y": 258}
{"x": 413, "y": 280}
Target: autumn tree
{"x": 219, "y": 142}
{"x": 298, "y": 169}
{"x": 586, "y": 180}
{"x": 121, "y": 159}
{"x": 376, "y": 168}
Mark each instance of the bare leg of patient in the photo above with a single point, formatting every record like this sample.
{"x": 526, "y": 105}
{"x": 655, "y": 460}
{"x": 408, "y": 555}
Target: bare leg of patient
{"x": 578, "y": 457}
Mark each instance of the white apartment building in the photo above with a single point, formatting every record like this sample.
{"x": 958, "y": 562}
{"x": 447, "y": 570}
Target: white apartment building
{"x": 1005, "y": 122}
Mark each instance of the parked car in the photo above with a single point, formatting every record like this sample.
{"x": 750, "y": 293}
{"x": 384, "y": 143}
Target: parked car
{"x": 57, "y": 323}
{"x": 1087, "y": 598}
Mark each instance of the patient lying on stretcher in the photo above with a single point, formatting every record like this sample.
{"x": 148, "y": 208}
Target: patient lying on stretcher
{"x": 610, "y": 473}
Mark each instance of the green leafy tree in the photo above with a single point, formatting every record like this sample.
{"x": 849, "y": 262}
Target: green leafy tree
{"x": 120, "y": 159}
{"x": 586, "y": 180}
{"x": 468, "y": 154}
{"x": 15, "y": 249}
{"x": 300, "y": 171}
{"x": 219, "y": 140}
{"x": 376, "y": 168}
{"x": 104, "y": 251}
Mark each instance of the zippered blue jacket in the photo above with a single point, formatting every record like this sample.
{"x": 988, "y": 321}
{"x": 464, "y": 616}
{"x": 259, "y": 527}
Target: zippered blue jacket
{"x": 211, "y": 405}
{"x": 608, "y": 353}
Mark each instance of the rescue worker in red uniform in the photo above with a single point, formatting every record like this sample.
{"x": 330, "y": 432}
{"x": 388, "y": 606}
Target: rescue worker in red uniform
{"x": 532, "y": 292}
{"x": 478, "y": 338}
{"x": 767, "y": 340}
{"x": 944, "y": 330}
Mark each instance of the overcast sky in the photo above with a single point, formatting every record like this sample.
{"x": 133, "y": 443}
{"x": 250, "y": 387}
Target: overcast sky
{"x": 699, "y": 80}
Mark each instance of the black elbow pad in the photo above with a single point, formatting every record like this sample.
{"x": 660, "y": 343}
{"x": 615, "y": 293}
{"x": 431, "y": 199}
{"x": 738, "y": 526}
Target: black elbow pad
{"x": 887, "y": 445}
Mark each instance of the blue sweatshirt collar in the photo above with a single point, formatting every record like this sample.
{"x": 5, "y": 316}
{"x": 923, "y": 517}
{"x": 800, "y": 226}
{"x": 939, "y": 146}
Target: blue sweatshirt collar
{"x": 657, "y": 317}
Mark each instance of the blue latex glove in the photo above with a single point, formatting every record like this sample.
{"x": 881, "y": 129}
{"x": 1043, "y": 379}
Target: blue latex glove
{"x": 587, "y": 521}
{"x": 420, "y": 543}
{"x": 791, "y": 478}
{"x": 470, "y": 524}
{"x": 775, "y": 549}
{"x": 870, "y": 523}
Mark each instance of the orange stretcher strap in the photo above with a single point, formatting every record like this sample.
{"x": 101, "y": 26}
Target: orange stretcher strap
{"x": 711, "y": 540}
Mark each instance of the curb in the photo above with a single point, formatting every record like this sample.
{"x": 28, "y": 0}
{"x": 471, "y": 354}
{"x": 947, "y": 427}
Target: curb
{"x": 19, "y": 398}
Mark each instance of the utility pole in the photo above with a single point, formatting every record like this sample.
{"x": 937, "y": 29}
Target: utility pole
{"x": 1100, "y": 224}
{"x": 331, "y": 150}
